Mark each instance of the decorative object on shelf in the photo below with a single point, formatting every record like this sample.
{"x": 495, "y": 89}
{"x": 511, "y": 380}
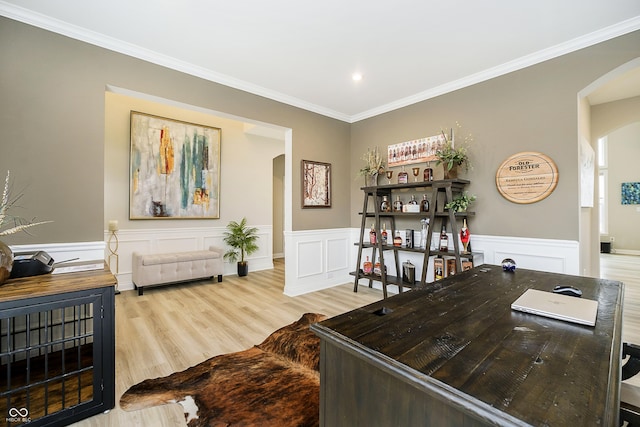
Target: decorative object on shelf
{"x": 527, "y": 177}
{"x": 424, "y": 204}
{"x": 416, "y": 151}
{"x": 112, "y": 245}
{"x": 438, "y": 268}
{"x": 17, "y": 225}
{"x": 242, "y": 240}
{"x": 316, "y": 184}
{"x": 174, "y": 169}
{"x": 408, "y": 272}
{"x": 416, "y": 172}
{"x": 403, "y": 176}
{"x": 397, "y": 205}
{"x": 461, "y": 202}
{"x": 465, "y": 235}
{"x": 383, "y": 239}
{"x": 372, "y": 236}
{"x": 389, "y": 176}
{"x": 508, "y": 265}
{"x": 385, "y": 206}
{"x": 424, "y": 232}
{"x": 397, "y": 239}
{"x": 367, "y": 267}
{"x": 376, "y": 269}
{"x": 444, "y": 239}
{"x": 409, "y": 241}
{"x": 374, "y": 165}
{"x": 451, "y": 157}
{"x": 428, "y": 173}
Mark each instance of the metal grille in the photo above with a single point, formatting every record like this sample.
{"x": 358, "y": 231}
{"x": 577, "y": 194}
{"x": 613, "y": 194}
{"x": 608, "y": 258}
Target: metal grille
{"x": 46, "y": 361}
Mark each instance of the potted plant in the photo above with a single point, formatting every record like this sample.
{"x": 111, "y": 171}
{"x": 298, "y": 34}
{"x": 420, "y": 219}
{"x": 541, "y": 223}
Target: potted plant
{"x": 242, "y": 240}
{"x": 374, "y": 165}
{"x": 451, "y": 158}
{"x": 16, "y": 225}
{"x": 461, "y": 202}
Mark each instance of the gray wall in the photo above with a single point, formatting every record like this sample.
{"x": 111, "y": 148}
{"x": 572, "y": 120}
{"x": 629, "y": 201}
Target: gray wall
{"x": 534, "y": 109}
{"x": 52, "y": 115}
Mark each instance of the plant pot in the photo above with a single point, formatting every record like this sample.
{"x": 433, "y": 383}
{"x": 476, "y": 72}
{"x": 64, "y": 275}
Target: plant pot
{"x": 6, "y": 262}
{"x": 243, "y": 268}
{"x": 450, "y": 173}
{"x": 371, "y": 180}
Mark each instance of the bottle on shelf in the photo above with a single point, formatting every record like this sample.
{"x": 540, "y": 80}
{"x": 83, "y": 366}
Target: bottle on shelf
{"x": 464, "y": 235}
{"x": 413, "y": 200}
{"x": 424, "y": 233}
{"x": 424, "y": 204}
{"x": 384, "y": 234}
{"x": 397, "y": 239}
{"x": 428, "y": 173}
{"x": 367, "y": 267}
{"x": 376, "y": 269}
{"x": 438, "y": 268}
{"x": 372, "y": 235}
{"x": 444, "y": 239}
{"x": 385, "y": 206}
{"x": 397, "y": 205}
{"x": 403, "y": 177}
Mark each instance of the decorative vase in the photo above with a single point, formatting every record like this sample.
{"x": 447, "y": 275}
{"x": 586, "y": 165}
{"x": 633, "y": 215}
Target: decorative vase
{"x": 371, "y": 180}
{"x": 6, "y": 262}
{"x": 450, "y": 173}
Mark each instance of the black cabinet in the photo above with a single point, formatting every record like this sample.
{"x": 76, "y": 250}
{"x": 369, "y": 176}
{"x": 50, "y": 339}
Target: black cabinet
{"x": 57, "y": 348}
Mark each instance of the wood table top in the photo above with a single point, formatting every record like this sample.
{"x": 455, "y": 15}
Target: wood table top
{"x": 460, "y": 339}
{"x": 53, "y": 284}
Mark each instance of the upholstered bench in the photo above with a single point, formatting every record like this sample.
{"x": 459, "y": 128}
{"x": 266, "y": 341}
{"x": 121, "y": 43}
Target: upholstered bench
{"x": 169, "y": 268}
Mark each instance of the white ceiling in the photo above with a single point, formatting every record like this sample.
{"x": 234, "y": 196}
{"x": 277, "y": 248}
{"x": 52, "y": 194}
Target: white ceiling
{"x": 303, "y": 53}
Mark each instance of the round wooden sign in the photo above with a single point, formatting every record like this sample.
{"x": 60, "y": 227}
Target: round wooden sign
{"x": 527, "y": 177}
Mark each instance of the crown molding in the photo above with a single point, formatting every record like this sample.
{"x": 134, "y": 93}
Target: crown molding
{"x": 60, "y": 27}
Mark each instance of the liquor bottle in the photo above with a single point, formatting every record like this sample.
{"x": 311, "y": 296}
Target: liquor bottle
{"x": 397, "y": 240}
{"x": 428, "y": 174}
{"x": 367, "y": 267}
{"x": 424, "y": 204}
{"x": 413, "y": 200}
{"x": 465, "y": 235}
{"x": 403, "y": 177}
{"x": 372, "y": 235}
{"x": 384, "y": 234}
{"x": 424, "y": 233}
{"x": 444, "y": 239}
{"x": 385, "y": 206}
{"x": 397, "y": 205}
{"x": 376, "y": 269}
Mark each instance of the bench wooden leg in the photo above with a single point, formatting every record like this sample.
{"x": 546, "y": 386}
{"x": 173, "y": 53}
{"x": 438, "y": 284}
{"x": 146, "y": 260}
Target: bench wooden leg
{"x": 219, "y": 278}
{"x": 140, "y": 290}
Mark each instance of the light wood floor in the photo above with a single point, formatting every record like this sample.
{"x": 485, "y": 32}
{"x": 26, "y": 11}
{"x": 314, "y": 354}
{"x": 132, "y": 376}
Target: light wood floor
{"x": 172, "y": 328}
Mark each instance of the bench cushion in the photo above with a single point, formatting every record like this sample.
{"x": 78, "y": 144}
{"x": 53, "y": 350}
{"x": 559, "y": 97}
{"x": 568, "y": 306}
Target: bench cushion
{"x": 155, "y": 259}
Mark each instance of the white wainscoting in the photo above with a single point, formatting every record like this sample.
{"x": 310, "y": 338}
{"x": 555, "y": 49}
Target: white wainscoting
{"x": 156, "y": 241}
{"x": 319, "y": 259}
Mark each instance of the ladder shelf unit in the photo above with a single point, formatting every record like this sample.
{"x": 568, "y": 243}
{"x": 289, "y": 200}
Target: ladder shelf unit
{"x": 442, "y": 192}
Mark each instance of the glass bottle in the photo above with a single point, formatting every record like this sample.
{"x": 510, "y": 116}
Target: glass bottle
{"x": 428, "y": 173}
{"x": 385, "y": 206}
{"x": 397, "y": 205}
{"x": 403, "y": 177}
{"x": 397, "y": 240}
{"x": 413, "y": 200}
{"x": 423, "y": 233}
{"x": 367, "y": 267}
{"x": 464, "y": 235}
{"x": 438, "y": 268}
{"x": 384, "y": 234}
{"x": 424, "y": 204}
{"x": 376, "y": 269}
{"x": 444, "y": 239}
{"x": 372, "y": 235}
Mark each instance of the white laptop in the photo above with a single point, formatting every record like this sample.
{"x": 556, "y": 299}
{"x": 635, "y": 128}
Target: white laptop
{"x": 558, "y": 306}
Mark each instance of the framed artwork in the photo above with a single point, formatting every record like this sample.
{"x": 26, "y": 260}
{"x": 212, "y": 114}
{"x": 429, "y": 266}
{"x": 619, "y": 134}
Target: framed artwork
{"x": 630, "y": 193}
{"x": 174, "y": 169}
{"x": 316, "y": 184}
{"x": 416, "y": 151}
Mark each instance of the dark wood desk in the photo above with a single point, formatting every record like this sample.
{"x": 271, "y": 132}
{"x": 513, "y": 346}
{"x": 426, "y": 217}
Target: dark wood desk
{"x": 454, "y": 353}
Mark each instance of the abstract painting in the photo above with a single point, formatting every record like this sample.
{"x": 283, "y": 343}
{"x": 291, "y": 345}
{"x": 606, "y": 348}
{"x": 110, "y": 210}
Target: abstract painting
{"x": 630, "y": 193}
{"x": 174, "y": 169}
{"x": 316, "y": 184}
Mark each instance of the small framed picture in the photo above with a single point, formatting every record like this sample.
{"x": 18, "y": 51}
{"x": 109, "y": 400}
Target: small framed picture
{"x": 316, "y": 184}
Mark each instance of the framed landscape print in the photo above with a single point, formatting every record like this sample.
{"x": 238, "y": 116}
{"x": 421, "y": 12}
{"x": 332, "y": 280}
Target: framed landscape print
{"x": 174, "y": 169}
{"x": 316, "y": 184}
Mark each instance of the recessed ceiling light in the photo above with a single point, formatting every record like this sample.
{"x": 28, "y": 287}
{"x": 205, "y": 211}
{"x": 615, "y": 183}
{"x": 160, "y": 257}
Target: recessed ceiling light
{"x": 356, "y": 77}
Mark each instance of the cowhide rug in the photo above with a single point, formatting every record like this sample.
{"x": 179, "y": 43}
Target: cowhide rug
{"x": 275, "y": 383}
